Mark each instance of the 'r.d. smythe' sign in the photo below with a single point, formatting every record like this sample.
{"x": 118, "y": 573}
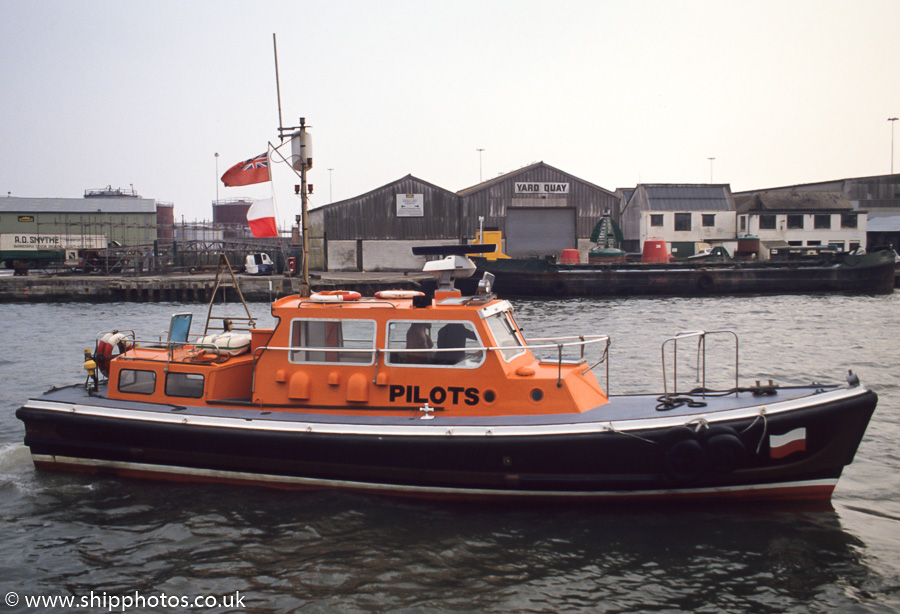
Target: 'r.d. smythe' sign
{"x": 541, "y": 187}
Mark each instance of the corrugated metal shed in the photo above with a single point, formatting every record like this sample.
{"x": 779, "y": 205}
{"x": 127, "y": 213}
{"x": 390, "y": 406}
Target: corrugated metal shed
{"x": 491, "y": 199}
{"x": 373, "y": 216}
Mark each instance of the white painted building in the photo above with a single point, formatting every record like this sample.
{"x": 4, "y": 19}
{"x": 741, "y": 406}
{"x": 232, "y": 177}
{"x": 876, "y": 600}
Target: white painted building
{"x": 803, "y": 219}
{"x": 682, "y": 215}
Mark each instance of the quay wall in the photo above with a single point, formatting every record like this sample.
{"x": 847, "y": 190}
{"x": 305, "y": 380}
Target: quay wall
{"x": 187, "y": 288}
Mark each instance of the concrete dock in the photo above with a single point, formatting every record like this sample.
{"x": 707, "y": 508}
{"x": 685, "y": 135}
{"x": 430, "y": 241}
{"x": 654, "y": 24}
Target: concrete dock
{"x": 199, "y": 287}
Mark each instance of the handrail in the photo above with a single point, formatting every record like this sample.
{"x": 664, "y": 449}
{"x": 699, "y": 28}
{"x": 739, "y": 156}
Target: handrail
{"x": 700, "y": 335}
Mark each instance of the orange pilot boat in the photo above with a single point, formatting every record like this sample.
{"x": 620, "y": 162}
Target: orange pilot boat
{"x": 434, "y": 396}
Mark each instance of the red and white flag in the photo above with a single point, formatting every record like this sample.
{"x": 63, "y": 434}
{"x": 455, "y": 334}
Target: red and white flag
{"x": 783, "y": 445}
{"x": 261, "y": 217}
{"x": 254, "y": 170}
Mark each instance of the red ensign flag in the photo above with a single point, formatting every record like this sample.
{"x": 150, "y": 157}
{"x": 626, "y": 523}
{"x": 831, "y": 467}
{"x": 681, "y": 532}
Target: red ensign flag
{"x": 261, "y": 217}
{"x": 254, "y": 170}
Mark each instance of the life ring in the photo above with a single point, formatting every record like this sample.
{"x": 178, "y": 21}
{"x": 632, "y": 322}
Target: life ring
{"x": 389, "y": 294}
{"x": 335, "y": 296}
{"x": 107, "y": 344}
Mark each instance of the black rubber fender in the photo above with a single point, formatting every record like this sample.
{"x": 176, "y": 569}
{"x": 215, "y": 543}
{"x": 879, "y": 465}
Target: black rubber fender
{"x": 725, "y": 450}
{"x": 559, "y": 288}
{"x": 685, "y": 461}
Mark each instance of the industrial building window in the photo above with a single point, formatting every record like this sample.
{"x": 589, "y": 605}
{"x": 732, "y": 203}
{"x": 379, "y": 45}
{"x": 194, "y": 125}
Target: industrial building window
{"x": 849, "y": 220}
{"x": 656, "y": 219}
{"x": 709, "y": 219}
{"x": 822, "y": 221}
{"x": 767, "y": 222}
{"x": 333, "y": 341}
{"x": 682, "y": 221}
{"x": 795, "y": 222}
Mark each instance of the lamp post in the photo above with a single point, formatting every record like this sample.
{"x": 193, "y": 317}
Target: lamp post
{"x": 479, "y": 150}
{"x": 892, "y": 120}
{"x": 710, "y": 169}
{"x": 217, "y": 178}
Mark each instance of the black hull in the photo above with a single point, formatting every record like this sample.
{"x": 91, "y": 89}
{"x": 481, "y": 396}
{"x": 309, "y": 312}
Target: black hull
{"x": 870, "y": 273}
{"x": 606, "y": 464}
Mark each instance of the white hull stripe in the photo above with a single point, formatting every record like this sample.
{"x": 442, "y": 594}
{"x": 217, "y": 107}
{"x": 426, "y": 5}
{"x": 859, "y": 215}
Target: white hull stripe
{"x": 278, "y": 480}
{"x": 434, "y": 427}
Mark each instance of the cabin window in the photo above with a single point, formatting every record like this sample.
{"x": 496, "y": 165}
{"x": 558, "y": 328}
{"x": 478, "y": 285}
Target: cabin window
{"x": 656, "y": 220}
{"x": 327, "y": 341}
{"x": 709, "y": 219}
{"x": 184, "y": 385}
{"x": 795, "y": 222}
{"x": 849, "y": 220}
{"x": 435, "y": 343}
{"x": 505, "y": 335}
{"x": 767, "y": 222}
{"x": 822, "y": 221}
{"x": 682, "y": 221}
{"x": 133, "y": 381}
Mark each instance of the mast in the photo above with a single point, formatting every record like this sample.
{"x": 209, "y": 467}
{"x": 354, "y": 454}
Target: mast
{"x": 302, "y": 156}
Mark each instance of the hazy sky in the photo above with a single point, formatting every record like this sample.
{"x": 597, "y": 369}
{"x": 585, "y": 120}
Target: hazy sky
{"x": 125, "y": 93}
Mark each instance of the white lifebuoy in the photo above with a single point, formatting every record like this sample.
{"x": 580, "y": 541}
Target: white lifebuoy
{"x": 230, "y": 343}
{"x": 335, "y": 296}
{"x": 398, "y": 294}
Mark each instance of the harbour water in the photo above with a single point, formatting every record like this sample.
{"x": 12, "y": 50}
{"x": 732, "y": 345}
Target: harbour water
{"x": 105, "y": 540}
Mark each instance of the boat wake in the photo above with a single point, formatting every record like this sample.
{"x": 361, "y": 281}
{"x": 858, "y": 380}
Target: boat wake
{"x": 871, "y": 512}
{"x": 16, "y": 468}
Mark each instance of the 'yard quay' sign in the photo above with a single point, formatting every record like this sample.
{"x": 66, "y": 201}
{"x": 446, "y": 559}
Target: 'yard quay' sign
{"x": 541, "y": 187}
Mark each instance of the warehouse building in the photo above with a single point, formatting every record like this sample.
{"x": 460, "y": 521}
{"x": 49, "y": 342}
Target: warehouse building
{"x": 42, "y": 227}
{"x": 540, "y": 210}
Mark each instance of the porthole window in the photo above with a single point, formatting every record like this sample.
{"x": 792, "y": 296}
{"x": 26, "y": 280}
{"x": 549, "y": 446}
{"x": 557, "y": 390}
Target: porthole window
{"x": 537, "y": 395}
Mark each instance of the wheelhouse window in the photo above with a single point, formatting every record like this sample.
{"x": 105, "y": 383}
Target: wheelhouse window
{"x": 709, "y": 220}
{"x": 822, "y": 221}
{"x": 133, "y": 381}
{"x": 795, "y": 222}
{"x": 327, "y": 341}
{"x": 184, "y": 385}
{"x": 505, "y": 336}
{"x": 767, "y": 222}
{"x": 656, "y": 220}
{"x": 442, "y": 343}
{"x": 682, "y": 221}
